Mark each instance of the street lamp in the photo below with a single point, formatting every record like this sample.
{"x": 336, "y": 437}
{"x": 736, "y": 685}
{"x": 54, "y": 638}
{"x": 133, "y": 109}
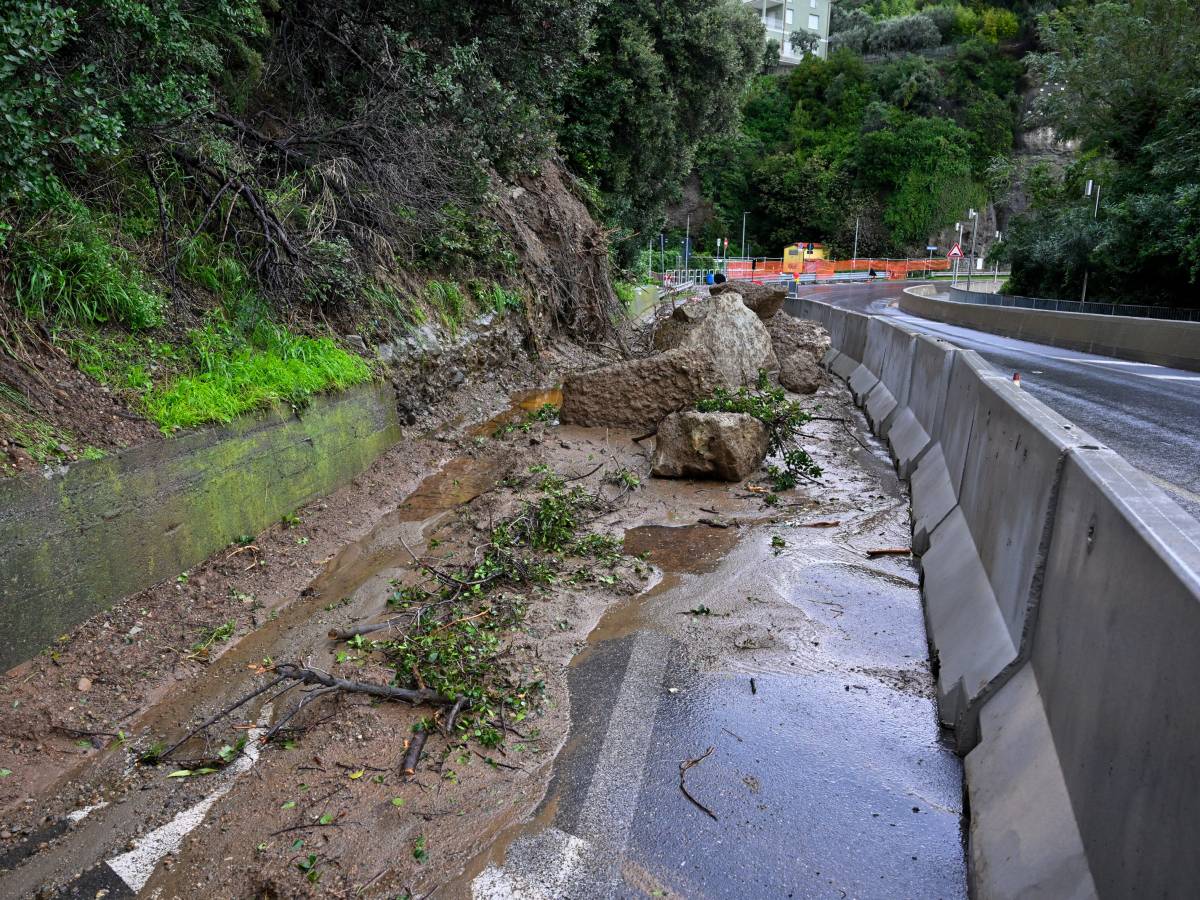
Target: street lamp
{"x": 973, "y": 215}
{"x": 1095, "y": 216}
{"x": 744, "y": 235}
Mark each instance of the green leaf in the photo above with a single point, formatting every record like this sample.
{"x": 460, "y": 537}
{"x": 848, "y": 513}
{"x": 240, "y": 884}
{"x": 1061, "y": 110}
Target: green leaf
{"x": 181, "y": 773}
{"x": 291, "y": 804}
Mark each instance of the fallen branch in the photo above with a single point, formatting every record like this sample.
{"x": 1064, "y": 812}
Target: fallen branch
{"x": 649, "y": 434}
{"x": 413, "y": 756}
{"x": 683, "y": 767}
{"x": 889, "y": 551}
{"x": 312, "y": 676}
{"x": 345, "y": 634}
{"x": 450, "y": 719}
{"x": 226, "y": 711}
{"x": 831, "y": 524}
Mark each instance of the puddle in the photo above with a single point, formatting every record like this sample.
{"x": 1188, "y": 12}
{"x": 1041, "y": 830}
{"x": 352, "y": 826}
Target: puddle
{"x": 522, "y": 403}
{"x": 681, "y": 549}
{"x": 460, "y": 481}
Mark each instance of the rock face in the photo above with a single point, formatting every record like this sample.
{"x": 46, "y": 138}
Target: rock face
{"x": 729, "y": 446}
{"x": 764, "y": 299}
{"x": 800, "y": 346}
{"x": 639, "y": 393}
{"x": 726, "y": 332}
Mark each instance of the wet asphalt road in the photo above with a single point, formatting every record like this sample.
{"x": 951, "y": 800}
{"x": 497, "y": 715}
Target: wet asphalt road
{"x": 820, "y": 770}
{"x": 1149, "y": 414}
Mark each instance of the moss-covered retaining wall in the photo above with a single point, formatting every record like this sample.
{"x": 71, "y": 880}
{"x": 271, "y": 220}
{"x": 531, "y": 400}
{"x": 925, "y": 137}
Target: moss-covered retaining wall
{"x": 75, "y": 543}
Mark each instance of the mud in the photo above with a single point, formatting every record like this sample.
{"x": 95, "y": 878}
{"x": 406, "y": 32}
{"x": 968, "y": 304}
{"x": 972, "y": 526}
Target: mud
{"x": 723, "y": 603}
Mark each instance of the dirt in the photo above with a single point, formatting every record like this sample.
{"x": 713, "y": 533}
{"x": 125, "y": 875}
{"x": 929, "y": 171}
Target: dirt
{"x": 45, "y": 385}
{"x": 77, "y": 717}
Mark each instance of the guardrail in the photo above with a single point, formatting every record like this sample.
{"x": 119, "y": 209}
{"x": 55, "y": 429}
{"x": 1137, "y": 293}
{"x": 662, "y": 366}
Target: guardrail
{"x": 1062, "y": 600}
{"x": 1176, "y": 314}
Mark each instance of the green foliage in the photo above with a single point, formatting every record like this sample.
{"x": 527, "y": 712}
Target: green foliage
{"x": 662, "y": 77}
{"x": 1125, "y": 75}
{"x": 784, "y": 420}
{"x": 490, "y": 295}
{"x": 899, "y": 145}
{"x": 448, "y": 302}
{"x": 238, "y": 374}
{"x": 66, "y": 268}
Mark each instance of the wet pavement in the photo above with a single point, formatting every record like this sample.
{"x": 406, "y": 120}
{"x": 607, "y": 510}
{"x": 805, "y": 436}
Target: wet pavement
{"x": 807, "y": 677}
{"x": 770, "y": 667}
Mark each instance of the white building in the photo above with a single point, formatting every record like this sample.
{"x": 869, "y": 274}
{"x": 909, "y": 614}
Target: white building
{"x": 782, "y": 17}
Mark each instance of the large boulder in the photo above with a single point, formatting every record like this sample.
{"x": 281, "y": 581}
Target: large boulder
{"x": 725, "y": 445}
{"x": 764, "y": 299}
{"x": 800, "y": 345}
{"x": 639, "y": 393}
{"x": 724, "y": 330}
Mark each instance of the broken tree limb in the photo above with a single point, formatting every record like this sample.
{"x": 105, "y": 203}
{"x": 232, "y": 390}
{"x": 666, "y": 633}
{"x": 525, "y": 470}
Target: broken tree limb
{"x": 346, "y": 634}
{"x": 889, "y": 551}
{"x": 453, "y": 716}
{"x": 312, "y": 676}
{"x": 683, "y": 767}
{"x": 226, "y": 711}
{"x": 649, "y": 434}
{"x": 413, "y": 756}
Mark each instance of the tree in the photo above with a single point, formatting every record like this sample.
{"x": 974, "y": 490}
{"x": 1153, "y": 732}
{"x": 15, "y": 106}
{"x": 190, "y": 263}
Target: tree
{"x": 663, "y": 76}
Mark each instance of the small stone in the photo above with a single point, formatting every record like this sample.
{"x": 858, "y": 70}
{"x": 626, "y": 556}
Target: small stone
{"x": 84, "y": 683}
{"x": 356, "y": 342}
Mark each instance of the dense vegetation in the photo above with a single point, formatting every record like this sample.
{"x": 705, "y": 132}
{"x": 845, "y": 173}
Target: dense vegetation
{"x": 1125, "y": 80}
{"x": 228, "y": 181}
{"x": 897, "y": 130}
{"x": 912, "y": 120}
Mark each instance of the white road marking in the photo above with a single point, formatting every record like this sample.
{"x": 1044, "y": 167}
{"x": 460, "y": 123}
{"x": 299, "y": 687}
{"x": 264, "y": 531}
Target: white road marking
{"x": 1106, "y": 362}
{"x": 136, "y": 866}
{"x": 606, "y": 817}
{"x": 79, "y": 815}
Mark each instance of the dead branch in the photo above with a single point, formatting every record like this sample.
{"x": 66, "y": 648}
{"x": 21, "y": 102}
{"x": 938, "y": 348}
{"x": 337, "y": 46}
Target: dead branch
{"x": 683, "y": 767}
{"x": 226, "y": 711}
{"x": 312, "y": 676}
{"x": 409, "y": 768}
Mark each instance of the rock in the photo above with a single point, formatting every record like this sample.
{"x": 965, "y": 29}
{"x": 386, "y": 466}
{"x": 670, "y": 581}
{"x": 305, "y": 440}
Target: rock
{"x": 356, "y": 341}
{"x": 640, "y": 392}
{"x": 764, "y": 299}
{"x": 729, "y": 446}
{"x": 800, "y": 345}
{"x": 84, "y": 683}
{"x": 726, "y": 332}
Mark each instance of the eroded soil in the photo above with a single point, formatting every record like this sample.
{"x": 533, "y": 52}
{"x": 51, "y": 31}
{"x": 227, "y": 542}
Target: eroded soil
{"x": 327, "y": 813}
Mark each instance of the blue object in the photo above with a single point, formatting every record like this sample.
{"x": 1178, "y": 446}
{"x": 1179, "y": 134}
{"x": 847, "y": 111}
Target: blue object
{"x": 708, "y": 279}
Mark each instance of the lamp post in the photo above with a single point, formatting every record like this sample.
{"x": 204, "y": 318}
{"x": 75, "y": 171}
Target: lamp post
{"x": 974, "y": 216}
{"x": 744, "y": 214}
{"x": 1095, "y": 216}
{"x": 853, "y": 263}
{"x": 996, "y": 265}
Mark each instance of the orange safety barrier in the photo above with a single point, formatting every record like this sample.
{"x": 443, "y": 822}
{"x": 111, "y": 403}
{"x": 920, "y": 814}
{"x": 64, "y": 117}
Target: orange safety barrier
{"x": 890, "y": 268}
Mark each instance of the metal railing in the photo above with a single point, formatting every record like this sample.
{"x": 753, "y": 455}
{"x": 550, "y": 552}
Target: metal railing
{"x": 1075, "y": 306}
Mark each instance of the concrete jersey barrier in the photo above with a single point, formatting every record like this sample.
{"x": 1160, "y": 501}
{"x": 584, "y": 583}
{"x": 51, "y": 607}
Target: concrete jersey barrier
{"x": 1062, "y": 598}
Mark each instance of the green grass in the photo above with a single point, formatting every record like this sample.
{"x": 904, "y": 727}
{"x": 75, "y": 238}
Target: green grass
{"x": 448, "y": 302}
{"x": 236, "y": 377}
{"x": 65, "y": 269}
{"x": 490, "y": 295}
{"x": 625, "y": 293}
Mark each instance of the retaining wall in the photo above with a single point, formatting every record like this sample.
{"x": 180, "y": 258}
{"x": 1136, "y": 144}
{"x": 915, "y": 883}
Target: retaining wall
{"x": 1158, "y": 341}
{"x": 74, "y": 543}
{"x": 1062, "y": 600}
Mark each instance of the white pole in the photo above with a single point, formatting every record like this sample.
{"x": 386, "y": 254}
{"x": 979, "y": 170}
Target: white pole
{"x": 857, "y": 219}
{"x": 687, "y": 246}
{"x": 744, "y": 235}
{"x": 974, "y": 235}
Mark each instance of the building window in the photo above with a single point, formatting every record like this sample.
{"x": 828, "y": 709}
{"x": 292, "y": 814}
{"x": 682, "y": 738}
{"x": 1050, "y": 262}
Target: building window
{"x": 812, "y": 4}
{"x": 814, "y": 23}
{"x": 788, "y": 16}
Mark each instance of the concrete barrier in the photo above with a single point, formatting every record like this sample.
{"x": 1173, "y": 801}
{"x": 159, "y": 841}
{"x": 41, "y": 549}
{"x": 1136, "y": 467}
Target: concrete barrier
{"x": 73, "y": 544}
{"x": 1159, "y": 341}
{"x": 890, "y": 346}
{"x": 1062, "y": 596}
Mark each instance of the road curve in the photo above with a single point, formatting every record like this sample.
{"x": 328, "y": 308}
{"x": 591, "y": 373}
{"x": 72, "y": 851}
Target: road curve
{"x": 1149, "y": 414}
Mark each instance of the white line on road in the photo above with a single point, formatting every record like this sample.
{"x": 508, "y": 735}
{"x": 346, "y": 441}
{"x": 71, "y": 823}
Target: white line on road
{"x": 136, "y": 866}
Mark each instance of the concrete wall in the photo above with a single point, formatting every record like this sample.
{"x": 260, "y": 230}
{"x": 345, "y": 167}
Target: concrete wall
{"x": 1062, "y": 597}
{"x": 1157, "y": 341}
{"x": 73, "y": 544}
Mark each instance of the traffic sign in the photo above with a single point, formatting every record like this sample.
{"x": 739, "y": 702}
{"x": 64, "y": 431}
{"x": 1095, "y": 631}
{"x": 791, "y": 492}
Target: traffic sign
{"x": 931, "y": 249}
{"x": 955, "y": 252}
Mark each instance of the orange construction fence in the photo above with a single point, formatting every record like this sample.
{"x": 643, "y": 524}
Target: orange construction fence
{"x": 890, "y": 268}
